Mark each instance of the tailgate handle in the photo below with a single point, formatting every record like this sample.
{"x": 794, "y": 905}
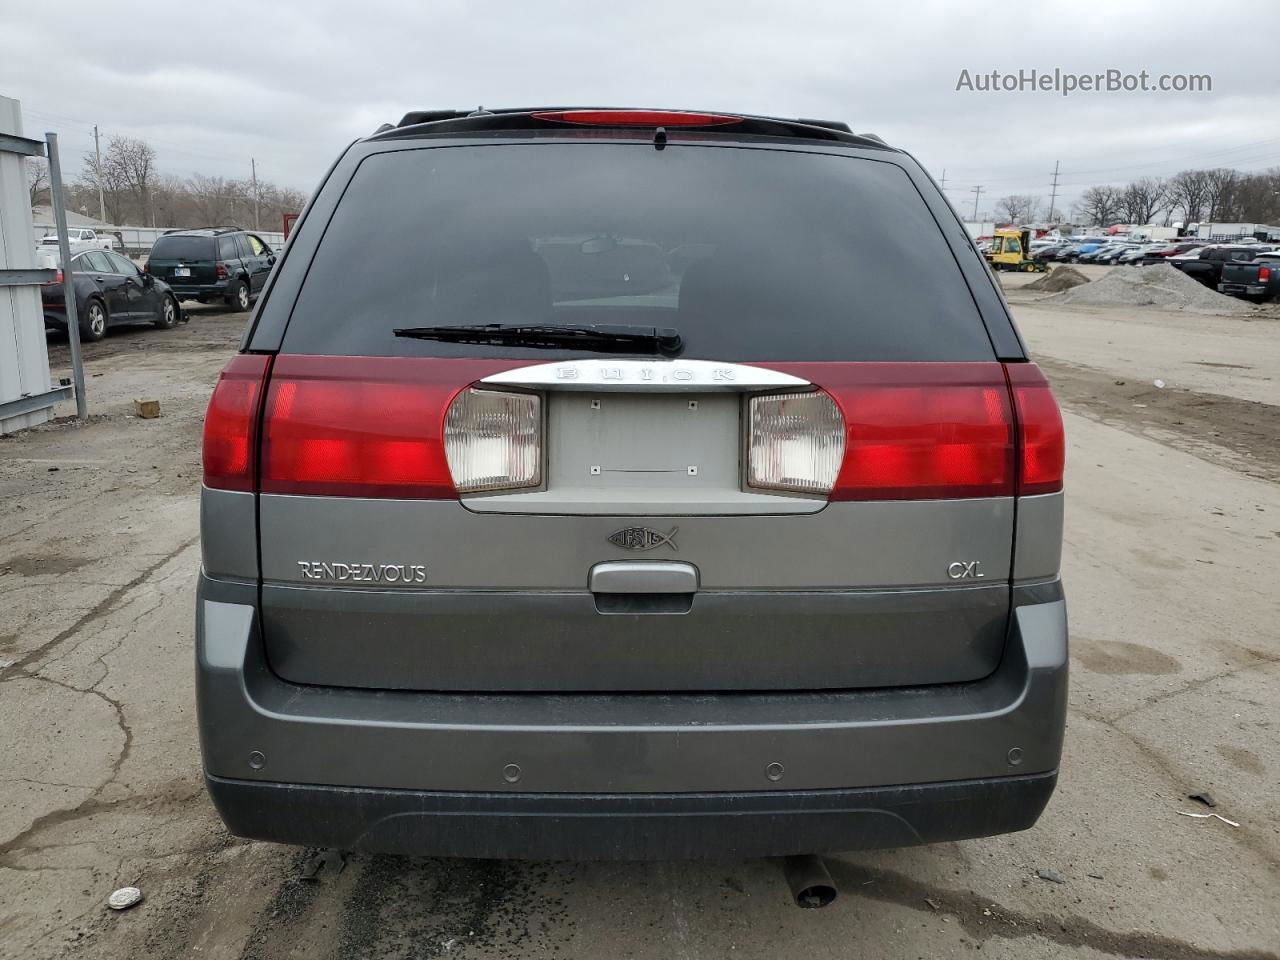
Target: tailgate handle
{"x": 643, "y": 576}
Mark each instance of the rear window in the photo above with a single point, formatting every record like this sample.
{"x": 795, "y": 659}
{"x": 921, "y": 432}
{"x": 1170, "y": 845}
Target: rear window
{"x": 182, "y": 248}
{"x": 752, "y": 254}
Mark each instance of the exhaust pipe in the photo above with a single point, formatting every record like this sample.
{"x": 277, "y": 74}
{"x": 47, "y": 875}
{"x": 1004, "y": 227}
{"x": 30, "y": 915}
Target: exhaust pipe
{"x": 810, "y": 882}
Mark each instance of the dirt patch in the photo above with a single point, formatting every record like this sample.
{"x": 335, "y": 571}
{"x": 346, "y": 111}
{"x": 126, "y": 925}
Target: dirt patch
{"x": 1241, "y": 434}
{"x": 1241, "y": 759}
{"x": 1158, "y": 285}
{"x": 37, "y": 565}
{"x": 1057, "y": 280}
{"x": 1116, "y": 657}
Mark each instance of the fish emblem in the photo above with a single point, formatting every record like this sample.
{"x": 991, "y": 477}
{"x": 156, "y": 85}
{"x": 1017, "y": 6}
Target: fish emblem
{"x": 644, "y": 538}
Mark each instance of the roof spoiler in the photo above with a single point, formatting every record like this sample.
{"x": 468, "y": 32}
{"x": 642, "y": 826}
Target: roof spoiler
{"x": 513, "y": 118}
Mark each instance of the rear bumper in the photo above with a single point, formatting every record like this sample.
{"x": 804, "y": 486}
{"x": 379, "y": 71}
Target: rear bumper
{"x": 630, "y": 775}
{"x": 531, "y": 826}
{"x": 1243, "y": 289}
{"x": 189, "y": 290}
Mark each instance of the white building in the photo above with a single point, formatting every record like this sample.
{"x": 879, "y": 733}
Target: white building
{"x": 25, "y": 395}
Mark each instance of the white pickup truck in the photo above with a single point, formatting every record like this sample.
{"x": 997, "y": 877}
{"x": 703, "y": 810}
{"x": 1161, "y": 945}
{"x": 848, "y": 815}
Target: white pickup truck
{"x": 82, "y": 238}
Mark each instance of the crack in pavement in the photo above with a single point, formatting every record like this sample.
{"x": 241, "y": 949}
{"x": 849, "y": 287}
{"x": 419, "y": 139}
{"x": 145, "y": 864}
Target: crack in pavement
{"x": 22, "y": 669}
{"x": 48, "y": 783}
{"x": 1193, "y": 685}
{"x": 983, "y": 919}
{"x": 1246, "y": 836}
{"x": 112, "y": 702}
{"x": 101, "y": 660}
{"x": 102, "y": 607}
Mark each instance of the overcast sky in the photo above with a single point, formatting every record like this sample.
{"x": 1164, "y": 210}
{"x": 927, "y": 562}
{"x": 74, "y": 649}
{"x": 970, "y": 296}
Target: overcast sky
{"x": 290, "y": 83}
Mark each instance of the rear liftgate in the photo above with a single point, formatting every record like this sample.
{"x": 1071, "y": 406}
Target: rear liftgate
{"x": 633, "y": 525}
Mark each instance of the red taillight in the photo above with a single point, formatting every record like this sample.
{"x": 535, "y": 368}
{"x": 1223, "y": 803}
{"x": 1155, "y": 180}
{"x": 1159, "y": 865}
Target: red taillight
{"x": 57, "y": 279}
{"x": 637, "y": 118}
{"x": 362, "y": 426}
{"x": 1264, "y": 274}
{"x": 230, "y": 425}
{"x": 220, "y": 270}
{"x": 1041, "y": 441}
{"x": 919, "y": 431}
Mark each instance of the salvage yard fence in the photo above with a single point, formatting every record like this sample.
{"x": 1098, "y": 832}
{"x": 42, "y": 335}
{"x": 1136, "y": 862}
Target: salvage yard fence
{"x": 137, "y": 241}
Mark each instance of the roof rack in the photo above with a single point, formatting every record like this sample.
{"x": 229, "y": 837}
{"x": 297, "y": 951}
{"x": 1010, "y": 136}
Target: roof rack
{"x": 211, "y": 231}
{"x": 533, "y": 118}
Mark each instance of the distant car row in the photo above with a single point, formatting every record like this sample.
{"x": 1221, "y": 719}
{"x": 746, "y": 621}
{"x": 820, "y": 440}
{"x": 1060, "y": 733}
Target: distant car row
{"x": 224, "y": 264}
{"x": 1248, "y": 270}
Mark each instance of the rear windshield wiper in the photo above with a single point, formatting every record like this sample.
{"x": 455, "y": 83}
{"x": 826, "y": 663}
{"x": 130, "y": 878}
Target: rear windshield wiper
{"x": 582, "y": 336}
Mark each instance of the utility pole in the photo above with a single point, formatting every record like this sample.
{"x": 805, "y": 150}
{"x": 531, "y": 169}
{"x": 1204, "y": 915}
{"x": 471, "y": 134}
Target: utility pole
{"x": 1054, "y": 195}
{"x": 977, "y": 192}
{"x": 253, "y": 165}
{"x": 97, "y": 173}
{"x": 942, "y": 184}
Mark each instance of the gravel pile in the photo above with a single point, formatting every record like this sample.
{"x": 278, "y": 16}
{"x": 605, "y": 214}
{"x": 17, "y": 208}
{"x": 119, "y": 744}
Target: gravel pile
{"x": 1057, "y": 280}
{"x": 1158, "y": 285}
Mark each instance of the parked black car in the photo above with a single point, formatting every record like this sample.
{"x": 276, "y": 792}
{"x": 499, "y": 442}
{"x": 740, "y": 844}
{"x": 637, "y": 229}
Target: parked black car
{"x": 1133, "y": 258}
{"x": 110, "y": 290}
{"x": 1174, "y": 249}
{"x": 213, "y": 263}
{"x": 1207, "y": 268}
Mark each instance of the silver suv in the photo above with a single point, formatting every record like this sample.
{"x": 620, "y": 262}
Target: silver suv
{"x": 630, "y": 484}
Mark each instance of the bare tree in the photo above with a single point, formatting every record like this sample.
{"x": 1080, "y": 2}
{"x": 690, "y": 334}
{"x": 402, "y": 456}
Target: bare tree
{"x": 1099, "y": 206}
{"x": 1221, "y": 183}
{"x": 1143, "y": 199}
{"x": 136, "y": 193}
{"x": 115, "y": 191}
{"x": 1189, "y": 193}
{"x": 133, "y": 163}
{"x": 1018, "y": 208}
{"x": 37, "y": 180}
{"x": 214, "y": 198}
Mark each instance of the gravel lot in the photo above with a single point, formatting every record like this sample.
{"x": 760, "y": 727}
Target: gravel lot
{"x": 1172, "y": 553}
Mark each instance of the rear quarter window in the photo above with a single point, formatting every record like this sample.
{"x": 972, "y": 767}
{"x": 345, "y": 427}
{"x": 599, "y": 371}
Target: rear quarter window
{"x": 752, "y": 254}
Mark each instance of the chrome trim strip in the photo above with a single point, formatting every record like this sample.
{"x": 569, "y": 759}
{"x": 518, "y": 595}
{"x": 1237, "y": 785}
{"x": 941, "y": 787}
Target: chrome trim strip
{"x": 663, "y": 375}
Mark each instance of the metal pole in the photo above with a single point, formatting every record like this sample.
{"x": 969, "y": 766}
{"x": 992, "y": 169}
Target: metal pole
{"x": 1054, "y": 196}
{"x": 97, "y": 172}
{"x": 68, "y": 281}
{"x": 977, "y": 192}
{"x": 253, "y": 165}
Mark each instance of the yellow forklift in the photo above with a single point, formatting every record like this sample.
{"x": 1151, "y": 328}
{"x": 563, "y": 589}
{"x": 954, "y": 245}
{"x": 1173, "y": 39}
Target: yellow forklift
{"x": 1010, "y": 250}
